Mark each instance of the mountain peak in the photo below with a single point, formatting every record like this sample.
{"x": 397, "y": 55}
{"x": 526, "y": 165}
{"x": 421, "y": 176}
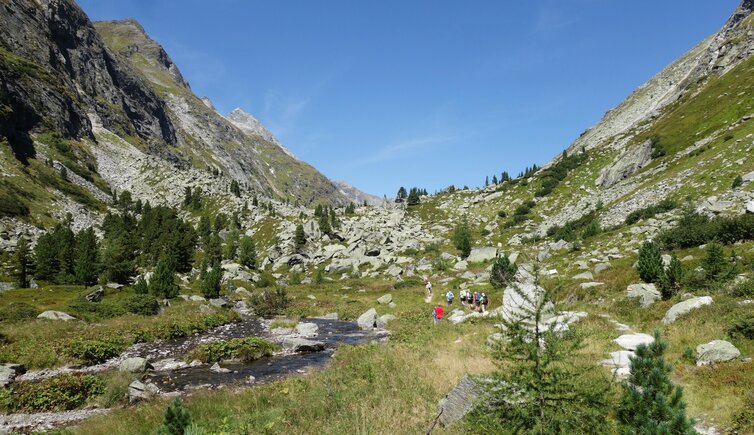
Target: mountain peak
{"x": 247, "y": 123}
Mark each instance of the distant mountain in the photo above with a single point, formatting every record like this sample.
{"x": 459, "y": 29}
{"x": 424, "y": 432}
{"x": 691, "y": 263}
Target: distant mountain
{"x": 357, "y": 196}
{"x": 250, "y": 125}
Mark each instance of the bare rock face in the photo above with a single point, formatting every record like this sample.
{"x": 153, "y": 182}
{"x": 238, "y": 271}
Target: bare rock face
{"x": 627, "y": 164}
{"x": 459, "y": 401}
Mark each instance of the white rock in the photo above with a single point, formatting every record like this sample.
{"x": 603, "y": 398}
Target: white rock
{"x": 632, "y": 341}
{"x": 685, "y": 307}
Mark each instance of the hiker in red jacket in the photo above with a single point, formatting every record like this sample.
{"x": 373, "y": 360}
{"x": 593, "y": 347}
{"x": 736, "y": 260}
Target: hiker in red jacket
{"x": 437, "y": 313}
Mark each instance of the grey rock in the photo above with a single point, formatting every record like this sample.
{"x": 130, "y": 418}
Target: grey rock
{"x": 588, "y": 285}
{"x": 632, "y": 341}
{"x": 96, "y": 296}
{"x": 460, "y": 401}
{"x": 138, "y": 391}
{"x": 168, "y": 364}
{"x": 461, "y": 266}
{"x": 716, "y": 351}
{"x": 218, "y": 302}
{"x": 647, "y": 293}
{"x": 479, "y": 255}
{"x": 55, "y": 315}
{"x": 369, "y": 320}
{"x": 307, "y": 329}
{"x": 296, "y": 344}
{"x": 387, "y": 318}
{"x": 601, "y": 267}
{"x": 197, "y": 298}
{"x": 8, "y": 373}
{"x": 134, "y": 365}
{"x": 584, "y": 276}
{"x": 625, "y": 165}
{"x": 330, "y": 316}
{"x": 217, "y": 369}
{"x": 385, "y": 299}
{"x": 683, "y": 308}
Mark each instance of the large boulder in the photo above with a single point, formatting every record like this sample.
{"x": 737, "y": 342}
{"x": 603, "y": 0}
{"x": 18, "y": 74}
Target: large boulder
{"x": 134, "y": 365}
{"x": 517, "y": 301}
{"x": 169, "y": 364}
{"x": 626, "y": 164}
{"x": 385, "y": 299}
{"x": 646, "y": 293}
{"x": 632, "y": 341}
{"x": 683, "y": 308}
{"x": 8, "y": 373}
{"x": 584, "y": 276}
{"x": 479, "y": 255}
{"x": 459, "y": 401}
{"x": 369, "y": 320}
{"x": 55, "y": 315}
{"x": 307, "y": 329}
{"x": 96, "y": 296}
{"x": 716, "y": 351}
{"x": 138, "y": 391}
{"x": 296, "y": 344}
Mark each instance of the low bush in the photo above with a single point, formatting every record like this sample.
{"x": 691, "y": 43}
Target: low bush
{"x": 408, "y": 282}
{"x": 502, "y": 272}
{"x": 185, "y": 327}
{"x": 743, "y": 289}
{"x": 694, "y": 229}
{"x": 267, "y": 304}
{"x": 96, "y": 351}
{"x": 145, "y": 305}
{"x": 16, "y": 311}
{"x": 245, "y": 349}
{"x": 742, "y": 327}
{"x": 61, "y": 393}
{"x": 648, "y": 212}
{"x": 582, "y": 228}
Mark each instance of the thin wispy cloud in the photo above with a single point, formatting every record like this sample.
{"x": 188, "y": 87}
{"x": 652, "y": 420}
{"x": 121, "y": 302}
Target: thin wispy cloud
{"x": 402, "y": 148}
{"x": 551, "y": 19}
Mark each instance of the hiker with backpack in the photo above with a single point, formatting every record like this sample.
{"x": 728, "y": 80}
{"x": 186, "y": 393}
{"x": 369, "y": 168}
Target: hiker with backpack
{"x": 485, "y": 301}
{"x": 428, "y": 285}
{"x": 463, "y": 298}
{"x": 477, "y": 301}
{"x": 449, "y": 296}
{"x": 437, "y": 313}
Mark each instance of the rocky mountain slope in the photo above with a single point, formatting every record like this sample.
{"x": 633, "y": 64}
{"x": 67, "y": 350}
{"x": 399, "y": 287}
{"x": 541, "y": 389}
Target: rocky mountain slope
{"x": 71, "y": 90}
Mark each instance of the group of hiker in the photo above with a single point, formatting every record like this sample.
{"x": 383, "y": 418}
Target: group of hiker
{"x": 473, "y": 300}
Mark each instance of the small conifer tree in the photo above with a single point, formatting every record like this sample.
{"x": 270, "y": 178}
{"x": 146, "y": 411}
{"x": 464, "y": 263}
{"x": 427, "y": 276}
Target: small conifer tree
{"x": 22, "y": 263}
{"x": 502, "y": 272}
{"x": 462, "y": 237}
{"x": 650, "y": 402}
{"x": 738, "y": 182}
{"x": 650, "y": 265}
{"x": 162, "y": 283}
{"x": 211, "y": 282}
{"x": 715, "y": 264}
{"x": 176, "y": 419}
{"x": 247, "y": 253}
{"x": 670, "y": 282}
{"x": 300, "y": 237}
{"x": 86, "y": 263}
{"x": 141, "y": 287}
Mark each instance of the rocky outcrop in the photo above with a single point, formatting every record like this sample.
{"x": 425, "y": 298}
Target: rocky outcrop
{"x": 646, "y": 293}
{"x": 685, "y": 307}
{"x": 460, "y": 401}
{"x": 716, "y": 351}
{"x": 625, "y": 165}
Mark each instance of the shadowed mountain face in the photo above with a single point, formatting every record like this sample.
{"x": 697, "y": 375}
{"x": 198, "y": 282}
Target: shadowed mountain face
{"x": 61, "y": 73}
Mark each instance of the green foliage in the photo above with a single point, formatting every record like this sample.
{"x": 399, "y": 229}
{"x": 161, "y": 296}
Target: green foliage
{"x": 413, "y": 197}
{"x": 716, "y": 265}
{"x": 440, "y": 265}
{"x": 737, "y": 182}
{"x": 211, "y": 282}
{"x": 185, "y": 327}
{"x": 462, "y": 237}
{"x": 162, "y": 284}
{"x": 141, "y": 304}
{"x": 245, "y": 349}
{"x": 650, "y": 402}
{"x": 540, "y": 386}
{"x": 17, "y": 311}
{"x": 556, "y": 173}
{"x": 300, "y": 237}
{"x": 61, "y": 393}
{"x": 658, "y": 148}
{"x": 670, "y": 280}
{"x": 247, "y": 254}
{"x": 86, "y": 259}
{"x": 411, "y": 281}
{"x": 650, "y": 265}
{"x": 12, "y": 203}
{"x": 648, "y": 212}
{"x": 141, "y": 287}
{"x": 267, "y": 304}
{"x": 582, "y": 228}
{"x": 22, "y": 263}
{"x": 694, "y": 229}
{"x": 502, "y": 272}
{"x": 743, "y": 421}
{"x": 96, "y": 351}
{"x": 742, "y": 327}
{"x": 176, "y": 419}
{"x": 402, "y": 194}
{"x": 235, "y": 189}
{"x": 324, "y": 224}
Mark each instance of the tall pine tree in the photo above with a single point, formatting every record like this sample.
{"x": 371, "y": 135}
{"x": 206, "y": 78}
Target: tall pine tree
{"x": 162, "y": 283}
{"x": 22, "y": 263}
{"x": 247, "y": 254}
{"x": 86, "y": 262}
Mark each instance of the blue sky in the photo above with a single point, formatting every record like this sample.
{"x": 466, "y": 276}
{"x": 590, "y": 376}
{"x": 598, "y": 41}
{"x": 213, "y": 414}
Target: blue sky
{"x": 421, "y": 93}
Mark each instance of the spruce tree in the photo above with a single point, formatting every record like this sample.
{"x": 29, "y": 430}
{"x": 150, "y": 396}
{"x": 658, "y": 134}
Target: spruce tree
{"x": 715, "y": 264}
{"x": 213, "y": 249}
{"x": 22, "y": 263}
{"x": 402, "y": 194}
{"x": 486, "y": 181}
{"x": 187, "y": 196}
{"x": 324, "y": 224}
{"x": 300, "y": 237}
{"x": 211, "y": 282}
{"x": 235, "y": 189}
{"x": 462, "y": 237}
{"x": 66, "y": 246}
{"x": 650, "y": 265}
{"x": 204, "y": 229}
{"x": 413, "y": 197}
{"x": 46, "y": 257}
{"x": 86, "y": 263}
{"x": 247, "y": 254}
{"x": 162, "y": 283}
{"x": 141, "y": 287}
{"x": 176, "y": 419}
{"x": 231, "y": 245}
{"x": 502, "y": 272}
{"x": 541, "y": 385}
{"x": 650, "y": 402}
{"x": 670, "y": 282}
{"x": 737, "y": 182}
{"x": 494, "y": 179}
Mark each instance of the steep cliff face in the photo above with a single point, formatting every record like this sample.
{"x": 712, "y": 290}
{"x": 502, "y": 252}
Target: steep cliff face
{"x": 56, "y": 70}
